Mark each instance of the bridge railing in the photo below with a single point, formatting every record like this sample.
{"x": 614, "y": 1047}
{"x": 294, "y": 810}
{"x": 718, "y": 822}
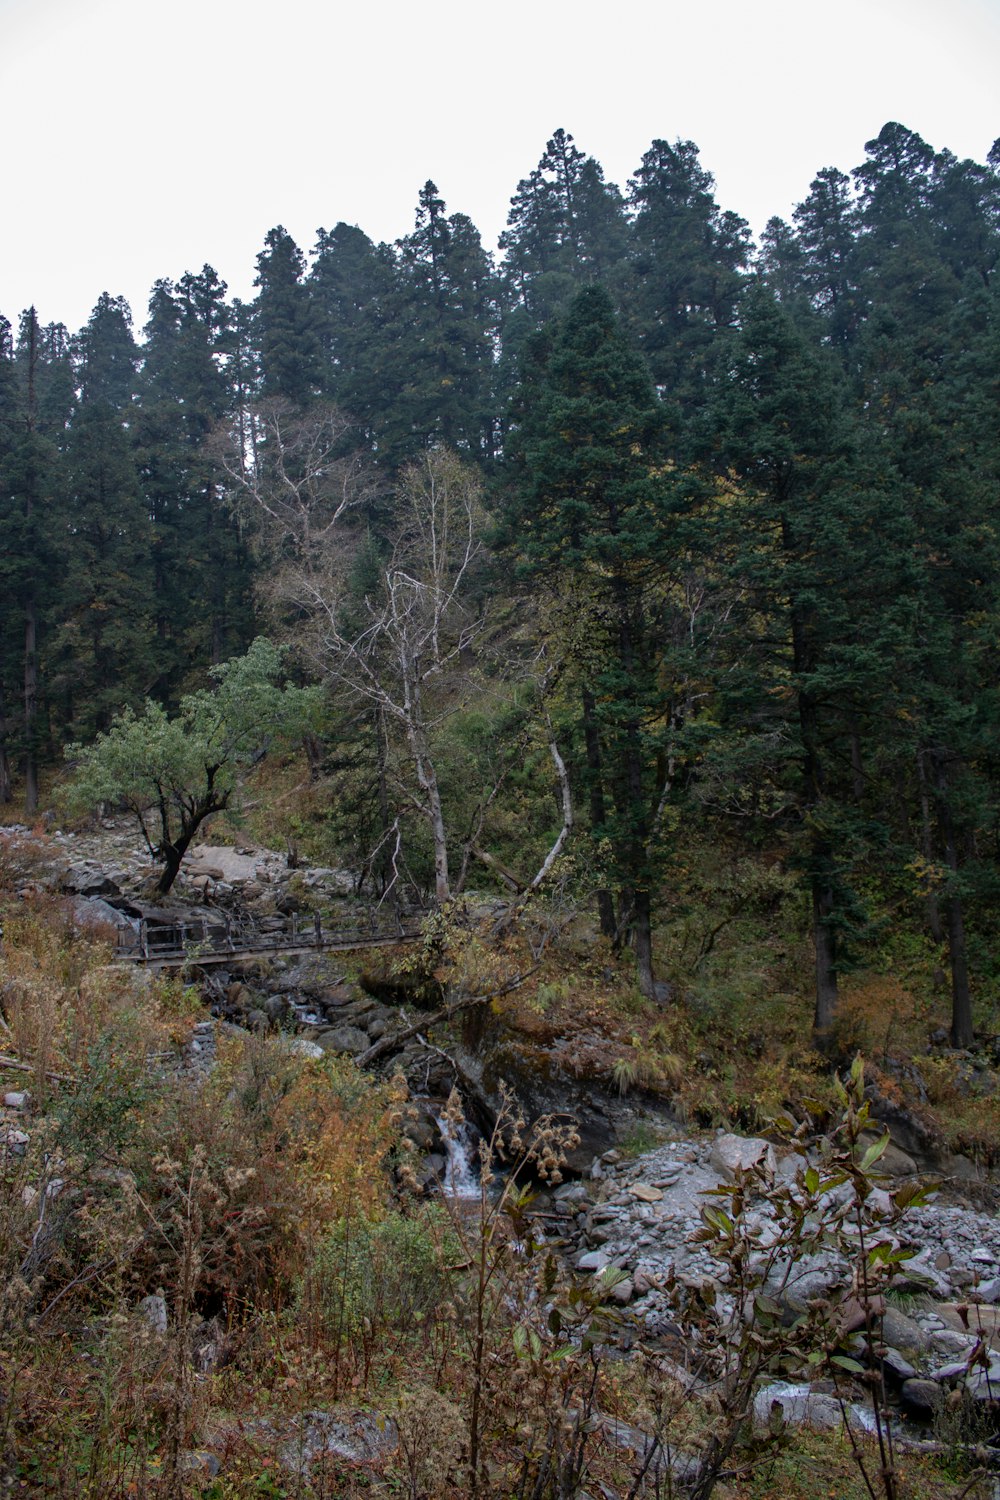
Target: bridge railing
{"x": 190, "y": 940}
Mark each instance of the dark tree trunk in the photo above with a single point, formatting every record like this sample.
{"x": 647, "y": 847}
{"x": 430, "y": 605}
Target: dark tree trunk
{"x": 961, "y": 996}
{"x": 598, "y": 813}
{"x": 825, "y": 944}
{"x": 385, "y": 869}
{"x": 931, "y": 907}
{"x": 30, "y": 707}
{"x": 642, "y": 936}
{"x": 6, "y": 791}
{"x": 822, "y": 892}
{"x": 633, "y": 807}
{"x": 192, "y": 815}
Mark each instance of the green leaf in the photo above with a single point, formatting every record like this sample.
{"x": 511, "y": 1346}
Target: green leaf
{"x": 875, "y": 1152}
{"x": 845, "y": 1363}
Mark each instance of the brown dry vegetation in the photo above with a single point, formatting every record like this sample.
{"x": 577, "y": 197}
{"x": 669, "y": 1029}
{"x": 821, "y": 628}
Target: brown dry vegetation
{"x": 268, "y": 1205}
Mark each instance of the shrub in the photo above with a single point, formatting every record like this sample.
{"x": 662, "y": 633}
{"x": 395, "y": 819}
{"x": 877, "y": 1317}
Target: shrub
{"x": 389, "y": 1272}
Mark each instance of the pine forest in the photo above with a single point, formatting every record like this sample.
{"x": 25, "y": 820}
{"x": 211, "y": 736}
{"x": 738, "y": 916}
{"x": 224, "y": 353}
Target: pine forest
{"x": 624, "y": 605}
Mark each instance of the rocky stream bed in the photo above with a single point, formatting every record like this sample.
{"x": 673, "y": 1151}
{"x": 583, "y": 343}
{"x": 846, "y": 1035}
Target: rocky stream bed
{"x": 635, "y": 1214}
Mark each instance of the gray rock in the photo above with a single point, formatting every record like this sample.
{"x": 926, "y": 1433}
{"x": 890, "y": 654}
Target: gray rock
{"x": 894, "y": 1161}
{"x": 626, "y": 1438}
{"x": 349, "y": 1039}
{"x": 955, "y": 1369}
{"x": 948, "y": 1341}
{"x": 897, "y": 1365}
{"x": 799, "y": 1407}
{"x": 154, "y": 1310}
{"x": 733, "y": 1152}
{"x": 922, "y": 1397}
{"x": 13, "y": 1142}
{"x": 304, "y": 1047}
{"x": 904, "y": 1333}
{"x": 797, "y": 1283}
{"x": 361, "y": 1438}
{"x": 571, "y": 1193}
{"x": 960, "y": 1167}
{"x": 592, "y": 1260}
{"x": 198, "y": 1463}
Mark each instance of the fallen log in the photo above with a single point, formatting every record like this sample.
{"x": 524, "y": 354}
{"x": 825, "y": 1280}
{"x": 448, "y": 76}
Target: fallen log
{"x": 389, "y": 1044}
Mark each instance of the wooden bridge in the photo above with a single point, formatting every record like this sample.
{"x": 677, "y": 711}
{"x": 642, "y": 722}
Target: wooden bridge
{"x": 201, "y": 944}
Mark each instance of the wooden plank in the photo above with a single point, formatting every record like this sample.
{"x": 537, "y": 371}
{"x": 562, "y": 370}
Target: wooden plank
{"x": 176, "y": 958}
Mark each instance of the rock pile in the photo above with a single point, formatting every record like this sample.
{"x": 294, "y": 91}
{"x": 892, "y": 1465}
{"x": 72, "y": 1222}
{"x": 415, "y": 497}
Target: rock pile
{"x": 637, "y": 1217}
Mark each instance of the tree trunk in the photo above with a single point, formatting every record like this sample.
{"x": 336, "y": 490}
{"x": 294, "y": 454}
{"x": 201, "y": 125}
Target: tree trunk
{"x": 642, "y": 934}
{"x": 386, "y": 871}
{"x": 825, "y": 944}
{"x": 634, "y": 808}
{"x": 30, "y": 707}
{"x": 6, "y": 791}
{"x": 931, "y": 908}
{"x": 961, "y": 996}
{"x": 427, "y": 777}
{"x": 605, "y": 900}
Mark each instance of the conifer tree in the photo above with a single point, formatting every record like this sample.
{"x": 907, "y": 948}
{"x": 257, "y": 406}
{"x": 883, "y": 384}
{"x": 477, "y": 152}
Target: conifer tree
{"x": 820, "y": 547}
{"x": 34, "y": 396}
{"x": 103, "y": 646}
{"x": 287, "y": 334}
{"x": 566, "y": 228}
{"x": 200, "y": 569}
{"x": 443, "y": 347}
{"x": 353, "y": 284}
{"x": 593, "y": 511}
{"x": 684, "y": 275}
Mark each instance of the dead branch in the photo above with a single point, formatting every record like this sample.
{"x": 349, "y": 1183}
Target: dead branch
{"x": 20, "y": 1067}
{"x": 388, "y": 1044}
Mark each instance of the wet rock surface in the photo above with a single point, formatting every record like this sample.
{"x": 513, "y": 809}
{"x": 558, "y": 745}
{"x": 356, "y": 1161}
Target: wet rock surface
{"x": 639, "y": 1218}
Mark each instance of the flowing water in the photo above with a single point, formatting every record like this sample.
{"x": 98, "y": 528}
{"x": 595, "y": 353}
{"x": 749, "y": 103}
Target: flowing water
{"x": 460, "y": 1179}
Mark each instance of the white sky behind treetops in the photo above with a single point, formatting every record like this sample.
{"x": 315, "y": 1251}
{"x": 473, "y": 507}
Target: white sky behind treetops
{"x": 142, "y": 140}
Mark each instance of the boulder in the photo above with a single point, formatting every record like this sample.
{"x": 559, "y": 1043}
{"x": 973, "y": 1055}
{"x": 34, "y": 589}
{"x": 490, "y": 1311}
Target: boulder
{"x": 153, "y": 1310}
{"x": 798, "y": 1407}
{"x": 894, "y": 1161}
{"x": 350, "y": 1039}
{"x": 732, "y": 1153}
{"x": 305, "y": 1048}
{"x": 904, "y": 1333}
{"x": 921, "y": 1397}
{"x": 358, "y": 1437}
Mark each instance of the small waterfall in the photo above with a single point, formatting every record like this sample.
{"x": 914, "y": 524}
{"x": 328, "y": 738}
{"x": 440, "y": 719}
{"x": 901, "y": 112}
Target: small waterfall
{"x": 459, "y": 1180}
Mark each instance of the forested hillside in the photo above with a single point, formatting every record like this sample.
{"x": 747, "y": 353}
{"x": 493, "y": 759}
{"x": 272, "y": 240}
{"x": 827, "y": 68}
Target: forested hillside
{"x": 634, "y": 529}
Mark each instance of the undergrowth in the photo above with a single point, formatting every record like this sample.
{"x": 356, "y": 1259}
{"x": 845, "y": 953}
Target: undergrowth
{"x": 205, "y": 1264}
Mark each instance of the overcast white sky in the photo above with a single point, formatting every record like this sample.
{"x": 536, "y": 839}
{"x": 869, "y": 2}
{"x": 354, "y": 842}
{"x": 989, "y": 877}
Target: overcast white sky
{"x": 142, "y": 139}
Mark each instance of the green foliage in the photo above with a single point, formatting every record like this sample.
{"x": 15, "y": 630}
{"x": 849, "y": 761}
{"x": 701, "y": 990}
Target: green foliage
{"x": 172, "y": 773}
{"x": 383, "y": 1275}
